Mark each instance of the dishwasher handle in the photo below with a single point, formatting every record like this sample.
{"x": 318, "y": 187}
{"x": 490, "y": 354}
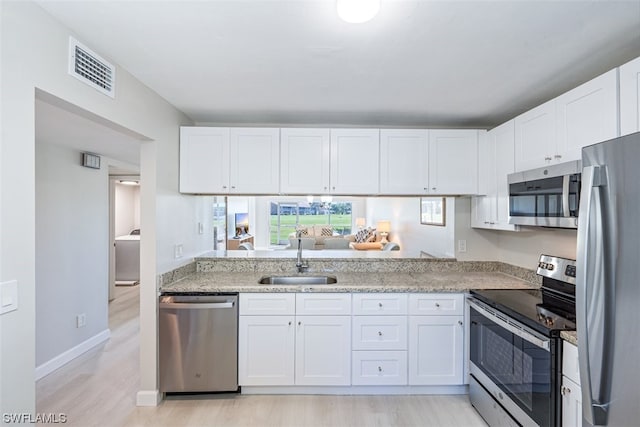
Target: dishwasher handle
{"x": 196, "y": 306}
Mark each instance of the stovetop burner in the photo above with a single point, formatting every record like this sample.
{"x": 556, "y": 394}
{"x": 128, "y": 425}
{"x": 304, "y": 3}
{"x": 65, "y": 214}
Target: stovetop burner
{"x": 548, "y": 310}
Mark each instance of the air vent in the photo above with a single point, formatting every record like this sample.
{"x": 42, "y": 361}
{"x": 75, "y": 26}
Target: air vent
{"x": 87, "y": 66}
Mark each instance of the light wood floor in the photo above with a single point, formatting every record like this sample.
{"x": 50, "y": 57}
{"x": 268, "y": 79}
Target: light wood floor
{"x": 99, "y": 389}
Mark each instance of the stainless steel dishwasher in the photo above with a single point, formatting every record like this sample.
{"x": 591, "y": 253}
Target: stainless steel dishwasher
{"x": 198, "y": 343}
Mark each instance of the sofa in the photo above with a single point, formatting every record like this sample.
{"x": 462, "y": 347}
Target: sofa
{"x": 319, "y": 237}
{"x": 323, "y": 237}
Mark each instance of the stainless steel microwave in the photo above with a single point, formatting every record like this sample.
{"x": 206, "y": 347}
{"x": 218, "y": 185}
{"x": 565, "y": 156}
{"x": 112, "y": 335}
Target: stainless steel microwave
{"x": 547, "y": 197}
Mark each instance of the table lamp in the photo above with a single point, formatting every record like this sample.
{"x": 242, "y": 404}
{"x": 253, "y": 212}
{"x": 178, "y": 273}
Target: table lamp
{"x": 383, "y": 228}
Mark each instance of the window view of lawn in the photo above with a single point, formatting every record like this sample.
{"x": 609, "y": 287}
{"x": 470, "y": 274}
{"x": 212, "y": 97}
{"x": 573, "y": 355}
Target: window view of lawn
{"x": 286, "y": 216}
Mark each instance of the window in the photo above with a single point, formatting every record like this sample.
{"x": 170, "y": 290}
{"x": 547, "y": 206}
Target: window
{"x": 286, "y": 216}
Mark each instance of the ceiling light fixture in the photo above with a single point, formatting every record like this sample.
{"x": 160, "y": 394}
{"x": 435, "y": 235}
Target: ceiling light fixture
{"x": 357, "y": 11}
{"x": 129, "y": 182}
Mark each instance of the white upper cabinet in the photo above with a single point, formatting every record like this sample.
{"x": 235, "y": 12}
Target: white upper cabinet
{"x": 204, "y": 160}
{"x": 255, "y": 160}
{"x": 535, "y": 140}
{"x": 587, "y": 115}
{"x": 304, "y": 160}
{"x": 229, "y": 160}
{"x": 404, "y": 161}
{"x": 496, "y": 162}
{"x": 355, "y": 161}
{"x": 453, "y": 161}
{"x": 630, "y": 97}
{"x": 557, "y": 130}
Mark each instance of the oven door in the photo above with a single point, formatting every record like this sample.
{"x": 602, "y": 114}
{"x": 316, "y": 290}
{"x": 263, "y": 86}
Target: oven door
{"x": 514, "y": 364}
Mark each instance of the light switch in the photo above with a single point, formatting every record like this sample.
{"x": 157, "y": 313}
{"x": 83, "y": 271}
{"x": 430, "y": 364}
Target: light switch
{"x": 8, "y": 296}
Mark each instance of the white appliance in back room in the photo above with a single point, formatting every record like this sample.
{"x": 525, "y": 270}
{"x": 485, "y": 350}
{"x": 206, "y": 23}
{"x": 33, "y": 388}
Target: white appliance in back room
{"x": 127, "y": 232}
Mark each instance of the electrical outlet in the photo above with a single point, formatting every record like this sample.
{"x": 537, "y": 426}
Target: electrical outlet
{"x": 200, "y": 228}
{"x": 81, "y": 320}
{"x": 462, "y": 246}
{"x": 177, "y": 251}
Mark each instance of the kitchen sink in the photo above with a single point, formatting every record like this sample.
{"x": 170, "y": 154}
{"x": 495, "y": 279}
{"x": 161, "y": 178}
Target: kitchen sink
{"x": 298, "y": 280}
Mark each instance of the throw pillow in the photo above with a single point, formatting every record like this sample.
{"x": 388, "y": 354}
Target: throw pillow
{"x": 303, "y": 231}
{"x": 326, "y": 231}
{"x": 372, "y": 237}
{"x": 365, "y": 235}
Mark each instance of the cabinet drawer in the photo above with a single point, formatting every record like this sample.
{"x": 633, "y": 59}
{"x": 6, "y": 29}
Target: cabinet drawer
{"x": 323, "y": 304}
{"x": 438, "y": 304}
{"x": 379, "y": 368}
{"x": 267, "y": 304}
{"x": 570, "y": 367}
{"x": 379, "y": 333}
{"x": 379, "y": 304}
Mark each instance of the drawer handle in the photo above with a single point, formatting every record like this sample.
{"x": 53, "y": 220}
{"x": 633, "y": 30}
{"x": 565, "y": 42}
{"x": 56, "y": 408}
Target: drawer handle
{"x": 379, "y": 368}
{"x": 437, "y": 305}
{"x": 380, "y": 304}
{"x": 379, "y": 333}
{"x": 460, "y": 322}
{"x": 289, "y": 322}
{"x": 299, "y": 323}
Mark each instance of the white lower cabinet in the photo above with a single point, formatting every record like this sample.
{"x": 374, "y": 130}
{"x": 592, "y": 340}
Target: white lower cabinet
{"x": 266, "y": 347}
{"x": 323, "y": 345}
{"x": 436, "y": 354}
{"x": 283, "y": 348}
{"x": 570, "y": 389}
{"x": 436, "y": 339}
{"x": 312, "y": 339}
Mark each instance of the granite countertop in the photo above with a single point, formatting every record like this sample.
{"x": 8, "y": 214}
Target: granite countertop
{"x": 570, "y": 336}
{"x": 350, "y": 282}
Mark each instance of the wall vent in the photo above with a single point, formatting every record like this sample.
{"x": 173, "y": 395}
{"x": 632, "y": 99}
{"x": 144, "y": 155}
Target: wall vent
{"x": 87, "y": 66}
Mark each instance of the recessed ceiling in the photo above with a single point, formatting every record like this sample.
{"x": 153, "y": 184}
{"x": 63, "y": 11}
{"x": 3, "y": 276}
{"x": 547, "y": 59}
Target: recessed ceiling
{"x": 417, "y": 63}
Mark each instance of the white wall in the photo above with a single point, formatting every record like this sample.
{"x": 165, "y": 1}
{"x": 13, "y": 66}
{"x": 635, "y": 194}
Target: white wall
{"x": 166, "y": 216}
{"x": 521, "y": 248}
{"x": 406, "y": 230}
{"x": 524, "y": 248}
{"x": 127, "y": 212}
{"x": 72, "y": 243}
{"x": 482, "y": 245}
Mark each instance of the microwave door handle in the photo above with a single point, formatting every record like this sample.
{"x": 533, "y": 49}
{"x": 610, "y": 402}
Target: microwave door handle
{"x": 566, "y": 211}
{"x": 590, "y": 297}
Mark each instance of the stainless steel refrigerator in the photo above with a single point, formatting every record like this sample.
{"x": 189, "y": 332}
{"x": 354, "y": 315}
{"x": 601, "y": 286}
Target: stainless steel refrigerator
{"x": 608, "y": 282}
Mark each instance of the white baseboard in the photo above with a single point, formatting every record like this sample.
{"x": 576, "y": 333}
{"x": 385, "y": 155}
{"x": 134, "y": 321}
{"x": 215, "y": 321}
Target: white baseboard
{"x": 357, "y": 390}
{"x": 48, "y": 367}
{"x": 148, "y": 398}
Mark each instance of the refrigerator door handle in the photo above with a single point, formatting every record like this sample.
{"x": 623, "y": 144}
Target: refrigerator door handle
{"x": 590, "y": 297}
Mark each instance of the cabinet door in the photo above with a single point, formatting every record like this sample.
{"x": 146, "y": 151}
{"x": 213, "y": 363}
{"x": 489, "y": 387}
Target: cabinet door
{"x": 255, "y": 160}
{"x": 436, "y": 350}
{"x": 355, "y": 161}
{"x": 630, "y": 97}
{"x": 586, "y": 115}
{"x": 304, "y": 160}
{"x": 483, "y": 207}
{"x": 535, "y": 141}
{"x": 453, "y": 162}
{"x": 504, "y": 144}
{"x": 204, "y": 160}
{"x": 404, "y": 161}
{"x": 571, "y": 403}
{"x": 266, "y": 347}
{"x": 323, "y": 350}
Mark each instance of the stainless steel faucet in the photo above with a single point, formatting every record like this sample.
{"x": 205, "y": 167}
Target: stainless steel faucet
{"x": 300, "y": 265}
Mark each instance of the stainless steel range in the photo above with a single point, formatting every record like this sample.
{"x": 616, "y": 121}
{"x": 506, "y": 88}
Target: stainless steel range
{"x": 516, "y": 350}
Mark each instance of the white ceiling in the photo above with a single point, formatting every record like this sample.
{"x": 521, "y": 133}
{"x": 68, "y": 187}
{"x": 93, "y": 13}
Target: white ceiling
{"x": 418, "y": 63}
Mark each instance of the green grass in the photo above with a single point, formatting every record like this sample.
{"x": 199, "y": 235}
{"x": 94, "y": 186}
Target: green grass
{"x": 288, "y": 224}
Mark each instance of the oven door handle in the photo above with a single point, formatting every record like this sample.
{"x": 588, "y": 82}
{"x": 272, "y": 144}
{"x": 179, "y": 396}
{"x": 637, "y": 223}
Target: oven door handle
{"x": 511, "y": 326}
